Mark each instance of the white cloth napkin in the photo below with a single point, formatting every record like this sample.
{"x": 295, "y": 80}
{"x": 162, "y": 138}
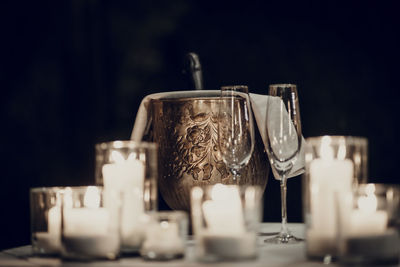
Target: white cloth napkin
{"x": 259, "y": 105}
{"x": 258, "y": 102}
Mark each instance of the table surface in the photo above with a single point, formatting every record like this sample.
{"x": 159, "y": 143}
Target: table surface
{"x": 270, "y": 255}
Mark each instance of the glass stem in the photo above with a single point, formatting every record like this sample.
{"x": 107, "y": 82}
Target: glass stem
{"x": 284, "y": 229}
{"x": 235, "y": 175}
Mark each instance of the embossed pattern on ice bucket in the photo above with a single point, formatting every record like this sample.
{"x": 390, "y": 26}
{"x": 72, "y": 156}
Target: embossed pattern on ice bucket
{"x": 186, "y": 132}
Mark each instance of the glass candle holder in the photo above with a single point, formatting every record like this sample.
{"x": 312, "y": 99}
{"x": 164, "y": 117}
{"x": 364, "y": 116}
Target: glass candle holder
{"x": 45, "y": 220}
{"x": 333, "y": 163}
{"x": 166, "y": 235}
{"x": 225, "y": 221}
{"x": 365, "y": 236}
{"x": 89, "y": 227}
{"x": 130, "y": 168}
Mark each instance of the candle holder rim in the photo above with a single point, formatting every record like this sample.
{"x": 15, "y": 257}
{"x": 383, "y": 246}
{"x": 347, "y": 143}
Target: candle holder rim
{"x": 125, "y": 144}
{"x": 83, "y": 188}
{"x": 47, "y": 189}
{"x": 379, "y": 187}
{"x": 235, "y": 87}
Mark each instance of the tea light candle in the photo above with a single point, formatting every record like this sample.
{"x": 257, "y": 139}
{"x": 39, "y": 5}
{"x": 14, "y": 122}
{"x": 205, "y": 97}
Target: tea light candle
{"x": 163, "y": 241}
{"x": 367, "y": 220}
{"x": 87, "y": 220}
{"x": 327, "y": 175}
{"x": 87, "y": 229}
{"x": 127, "y": 176}
{"x": 226, "y": 235}
{"x": 366, "y": 236}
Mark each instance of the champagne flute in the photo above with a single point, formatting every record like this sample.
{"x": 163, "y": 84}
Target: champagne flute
{"x": 283, "y": 145}
{"x": 235, "y": 129}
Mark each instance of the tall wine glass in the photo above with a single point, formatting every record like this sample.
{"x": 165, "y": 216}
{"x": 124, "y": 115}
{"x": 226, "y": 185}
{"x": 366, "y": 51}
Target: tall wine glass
{"x": 283, "y": 144}
{"x": 235, "y": 129}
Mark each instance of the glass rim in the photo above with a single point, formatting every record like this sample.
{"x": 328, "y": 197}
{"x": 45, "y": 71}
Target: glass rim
{"x": 283, "y": 85}
{"x": 235, "y": 87}
{"x": 335, "y": 139}
{"x": 49, "y": 189}
{"x": 118, "y": 144}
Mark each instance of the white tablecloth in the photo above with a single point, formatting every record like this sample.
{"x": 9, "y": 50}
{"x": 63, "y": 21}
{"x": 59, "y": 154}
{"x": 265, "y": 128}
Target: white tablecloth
{"x": 270, "y": 255}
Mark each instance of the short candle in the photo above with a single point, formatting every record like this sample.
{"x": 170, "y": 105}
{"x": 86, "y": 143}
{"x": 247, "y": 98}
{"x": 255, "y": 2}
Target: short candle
{"x": 366, "y": 219}
{"x": 226, "y": 235}
{"x": 163, "y": 239}
{"x": 364, "y": 231}
{"x": 87, "y": 230}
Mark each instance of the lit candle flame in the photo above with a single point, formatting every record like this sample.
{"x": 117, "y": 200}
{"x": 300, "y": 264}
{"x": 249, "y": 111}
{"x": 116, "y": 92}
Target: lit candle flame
{"x": 92, "y": 197}
{"x": 164, "y": 224}
{"x": 197, "y": 193}
{"x": 368, "y": 203}
{"x": 117, "y": 157}
{"x": 68, "y": 203}
{"x": 326, "y": 150}
{"x": 131, "y": 157}
{"x": 342, "y": 149}
{"x": 370, "y": 189}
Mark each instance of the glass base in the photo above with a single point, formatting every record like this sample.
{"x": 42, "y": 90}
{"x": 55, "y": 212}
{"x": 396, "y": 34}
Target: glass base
{"x": 268, "y": 234}
{"x": 283, "y": 238}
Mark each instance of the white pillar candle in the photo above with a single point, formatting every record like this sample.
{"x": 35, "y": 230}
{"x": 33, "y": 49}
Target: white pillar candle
{"x": 123, "y": 174}
{"x": 127, "y": 177}
{"x": 327, "y": 176}
{"x": 223, "y": 213}
{"x": 87, "y": 232}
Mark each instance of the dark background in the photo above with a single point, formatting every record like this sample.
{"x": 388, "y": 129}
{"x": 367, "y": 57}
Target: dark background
{"x": 73, "y": 73}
